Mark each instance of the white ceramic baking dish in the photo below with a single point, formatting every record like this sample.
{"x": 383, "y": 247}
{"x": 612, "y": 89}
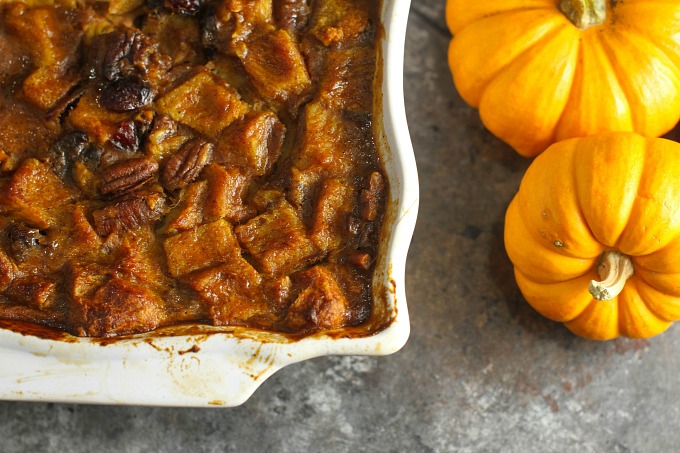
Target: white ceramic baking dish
{"x": 209, "y": 367}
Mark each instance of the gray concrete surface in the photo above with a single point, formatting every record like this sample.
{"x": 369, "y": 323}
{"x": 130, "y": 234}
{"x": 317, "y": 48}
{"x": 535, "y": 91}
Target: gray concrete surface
{"x": 482, "y": 372}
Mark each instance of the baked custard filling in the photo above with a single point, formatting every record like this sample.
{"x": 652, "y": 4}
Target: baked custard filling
{"x": 188, "y": 161}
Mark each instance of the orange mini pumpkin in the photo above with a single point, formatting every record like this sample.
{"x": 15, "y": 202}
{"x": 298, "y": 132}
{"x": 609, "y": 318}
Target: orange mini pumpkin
{"x": 594, "y": 235}
{"x": 541, "y": 71}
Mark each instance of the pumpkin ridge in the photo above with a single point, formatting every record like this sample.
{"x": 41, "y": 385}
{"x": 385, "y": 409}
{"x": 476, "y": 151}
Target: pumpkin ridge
{"x": 568, "y": 125}
{"x": 552, "y": 30}
{"x": 542, "y": 41}
{"x": 559, "y": 250}
{"x": 642, "y": 274}
{"x": 551, "y": 94}
{"x": 566, "y": 153}
{"x": 538, "y": 281}
{"x": 584, "y": 154}
{"x": 631, "y": 210}
{"x": 640, "y": 116}
{"x": 578, "y": 70}
{"x": 658, "y": 43}
{"x": 644, "y": 289}
{"x": 552, "y": 266}
{"x": 577, "y": 193}
{"x": 660, "y": 46}
{"x": 628, "y": 300}
{"x": 551, "y": 304}
{"x": 663, "y": 49}
{"x": 648, "y": 270}
{"x": 625, "y": 17}
{"x": 458, "y": 29}
{"x": 596, "y": 311}
{"x": 613, "y": 64}
{"x": 524, "y": 221}
{"x": 663, "y": 237}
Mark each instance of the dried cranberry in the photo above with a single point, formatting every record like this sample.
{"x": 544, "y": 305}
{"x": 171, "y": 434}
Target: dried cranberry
{"x": 184, "y": 6}
{"x": 131, "y": 133}
{"x": 125, "y": 137}
{"x": 291, "y": 14}
{"x": 125, "y": 94}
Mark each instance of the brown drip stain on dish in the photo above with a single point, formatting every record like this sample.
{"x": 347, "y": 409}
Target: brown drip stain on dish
{"x": 194, "y": 349}
{"x": 258, "y": 358}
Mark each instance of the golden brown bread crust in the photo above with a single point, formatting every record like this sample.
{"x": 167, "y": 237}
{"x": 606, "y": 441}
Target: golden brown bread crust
{"x": 174, "y": 161}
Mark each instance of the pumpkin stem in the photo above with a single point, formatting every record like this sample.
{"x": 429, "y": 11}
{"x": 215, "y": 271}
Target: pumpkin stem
{"x": 584, "y": 13}
{"x": 614, "y": 269}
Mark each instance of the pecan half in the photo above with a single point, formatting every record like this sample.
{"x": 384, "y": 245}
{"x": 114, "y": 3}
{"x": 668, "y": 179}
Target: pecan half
{"x": 110, "y": 51}
{"x": 126, "y": 176}
{"x": 185, "y": 165}
{"x": 139, "y": 209}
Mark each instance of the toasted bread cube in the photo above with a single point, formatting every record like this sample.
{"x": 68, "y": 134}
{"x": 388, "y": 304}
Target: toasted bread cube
{"x": 15, "y": 145}
{"x": 179, "y": 36}
{"x": 33, "y": 191}
{"x": 84, "y": 280}
{"x": 276, "y": 66}
{"x": 232, "y": 291}
{"x": 277, "y": 240}
{"x": 302, "y": 186}
{"x": 253, "y": 143}
{"x": 115, "y": 308}
{"x": 329, "y": 142}
{"x": 137, "y": 261}
{"x": 90, "y": 117}
{"x": 321, "y": 303}
{"x": 232, "y": 21}
{"x": 205, "y": 103}
{"x": 225, "y": 192}
{"x": 339, "y": 21}
{"x": 84, "y": 236}
{"x": 347, "y": 80}
{"x": 34, "y": 292}
{"x": 189, "y": 211}
{"x": 49, "y": 33}
{"x": 8, "y": 270}
{"x": 333, "y": 205}
{"x": 124, "y": 6}
{"x": 254, "y": 13}
{"x": 201, "y": 247}
{"x": 47, "y": 84}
